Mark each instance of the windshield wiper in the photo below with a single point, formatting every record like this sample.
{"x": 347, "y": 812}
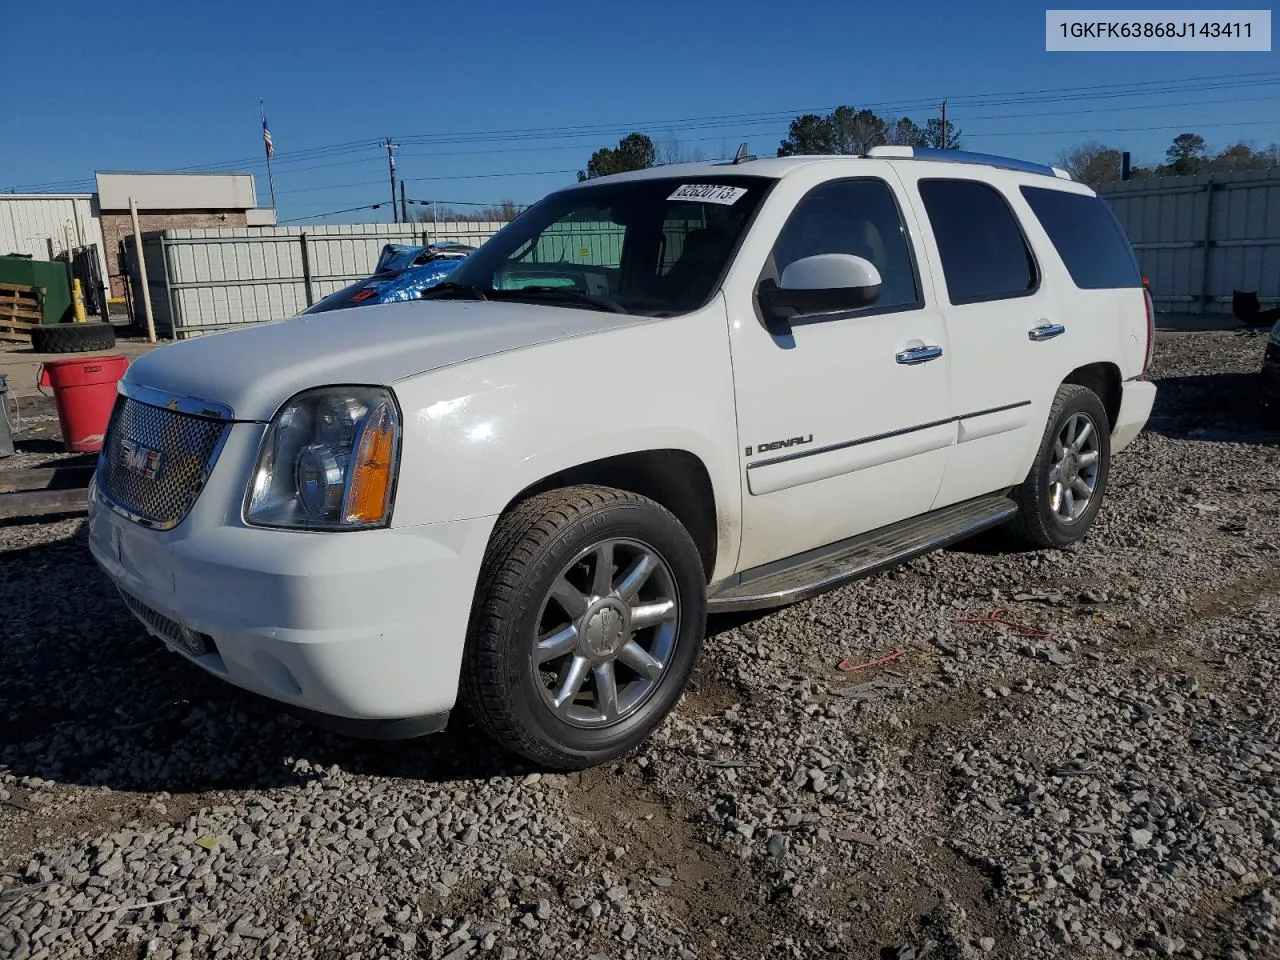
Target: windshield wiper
{"x": 451, "y": 291}
{"x": 565, "y": 294}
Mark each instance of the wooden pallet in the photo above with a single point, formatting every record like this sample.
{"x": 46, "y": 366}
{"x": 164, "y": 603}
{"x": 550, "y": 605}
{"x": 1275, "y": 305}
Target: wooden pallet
{"x": 46, "y": 491}
{"x": 21, "y": 310}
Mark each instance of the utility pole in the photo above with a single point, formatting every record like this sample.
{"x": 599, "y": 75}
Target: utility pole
{"x": 391, "y": 167}
{"x": 946, "y": 140}
{"x": 404, "y": 205}
{"x": 140, "y": 256}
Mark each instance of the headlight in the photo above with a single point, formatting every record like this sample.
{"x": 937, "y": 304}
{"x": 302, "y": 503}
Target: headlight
{"x": 328, "y": 461}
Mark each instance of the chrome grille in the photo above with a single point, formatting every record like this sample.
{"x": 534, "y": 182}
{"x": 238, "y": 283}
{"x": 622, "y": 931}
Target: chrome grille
{"x": 155, "y": 461}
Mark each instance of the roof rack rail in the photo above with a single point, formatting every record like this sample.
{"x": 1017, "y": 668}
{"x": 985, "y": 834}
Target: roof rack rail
{"x": 966, "y": 156}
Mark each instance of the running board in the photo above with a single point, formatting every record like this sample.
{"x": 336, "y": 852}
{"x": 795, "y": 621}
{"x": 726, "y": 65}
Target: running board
{"x": 817, "y": 571}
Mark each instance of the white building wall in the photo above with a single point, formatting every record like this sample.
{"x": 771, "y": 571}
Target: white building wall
{"x": 37, "y": 224}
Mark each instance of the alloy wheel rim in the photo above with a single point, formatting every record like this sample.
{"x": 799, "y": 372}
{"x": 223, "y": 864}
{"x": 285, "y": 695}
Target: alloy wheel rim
{"x": 1073, "y": 471}
{"x": 605, "y": 634}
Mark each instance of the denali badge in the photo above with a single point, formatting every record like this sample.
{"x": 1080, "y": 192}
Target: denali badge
{"x": 139, "y": 459}
{"x": 779, "y": 444}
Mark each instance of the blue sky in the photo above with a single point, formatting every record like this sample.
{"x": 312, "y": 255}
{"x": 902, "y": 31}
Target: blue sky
{"x": 154, "y": 86}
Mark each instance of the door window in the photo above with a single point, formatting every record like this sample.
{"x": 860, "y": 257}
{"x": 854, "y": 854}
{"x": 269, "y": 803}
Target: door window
{"x": 859, "y": 217}
{"x": 984, "y": 254}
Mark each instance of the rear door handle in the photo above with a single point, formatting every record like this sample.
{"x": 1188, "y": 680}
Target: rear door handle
{"x": 1046, "y": 331}
{"x": 916, "y": 355}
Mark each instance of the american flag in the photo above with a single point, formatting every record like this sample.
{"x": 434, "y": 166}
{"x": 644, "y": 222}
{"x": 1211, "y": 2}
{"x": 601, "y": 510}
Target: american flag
{"x": 266, "y": 138}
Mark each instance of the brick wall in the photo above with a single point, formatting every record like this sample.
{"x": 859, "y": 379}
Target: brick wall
{"x": 116, "y": 226}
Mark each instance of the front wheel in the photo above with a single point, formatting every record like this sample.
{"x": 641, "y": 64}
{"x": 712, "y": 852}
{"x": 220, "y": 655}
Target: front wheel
{"x": 589, "y": 616}
{"x": 1064, "y": 489}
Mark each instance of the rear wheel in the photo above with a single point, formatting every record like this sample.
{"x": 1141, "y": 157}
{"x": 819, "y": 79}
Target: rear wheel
{"x": 1063, "y": 492}
{"x": 588, "y": 619}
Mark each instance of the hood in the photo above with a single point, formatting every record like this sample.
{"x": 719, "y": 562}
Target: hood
{"x": 255, "y": 369}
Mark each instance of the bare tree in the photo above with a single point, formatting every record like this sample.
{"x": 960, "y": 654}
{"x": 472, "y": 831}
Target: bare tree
{"x": 672, "y": 150}
{"x": 1092, "y": 163}
{"x": 502, "y": 212}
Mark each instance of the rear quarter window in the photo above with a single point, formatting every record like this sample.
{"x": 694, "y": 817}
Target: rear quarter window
{"x": 1087, "y": 236}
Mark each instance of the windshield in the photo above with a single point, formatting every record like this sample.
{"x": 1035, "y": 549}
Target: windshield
{"x": 657, "y": 247}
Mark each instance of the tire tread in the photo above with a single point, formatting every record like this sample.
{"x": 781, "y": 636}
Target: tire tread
{"x": 519, "y": 539}
{"x": 73, "y": 337}
{"x": 1028, "y": 525}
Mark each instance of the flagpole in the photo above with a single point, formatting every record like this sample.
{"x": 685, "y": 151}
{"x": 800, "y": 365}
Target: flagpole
{"x": 271, "y": 181}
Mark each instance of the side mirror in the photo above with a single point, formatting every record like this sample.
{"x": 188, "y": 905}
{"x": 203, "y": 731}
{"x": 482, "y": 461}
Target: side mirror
{"x": 824, "y": 283}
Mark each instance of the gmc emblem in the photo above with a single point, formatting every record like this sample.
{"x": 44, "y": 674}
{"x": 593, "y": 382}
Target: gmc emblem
{"x": 139, "y": 459}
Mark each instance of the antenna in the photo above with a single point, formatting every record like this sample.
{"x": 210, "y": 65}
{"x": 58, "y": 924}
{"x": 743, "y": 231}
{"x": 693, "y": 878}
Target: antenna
{"x": 742, "y": 156}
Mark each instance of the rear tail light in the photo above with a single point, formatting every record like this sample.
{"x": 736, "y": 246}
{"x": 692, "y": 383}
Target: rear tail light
{"x": 364, "y": 294}
{"x": 1151, "y": 326}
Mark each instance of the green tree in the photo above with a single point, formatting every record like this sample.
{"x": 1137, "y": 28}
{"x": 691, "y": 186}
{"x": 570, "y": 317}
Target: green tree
{"x": 933, "y": 135}
{"x": 905, "y": 132}
{"x": 857, "y": 132}
{"x": 809, "y": 134}
{"x": 1241, "y": 156}
{"x": 849, "y": 131}
{"x": 1186, "y": 155}
{"x": 635, "y": 151}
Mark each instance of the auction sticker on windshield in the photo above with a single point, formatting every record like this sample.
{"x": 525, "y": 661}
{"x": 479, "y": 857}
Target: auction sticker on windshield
{"x": 708, "y": 193}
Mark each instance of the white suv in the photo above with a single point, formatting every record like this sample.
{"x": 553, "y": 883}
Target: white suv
{"x": 717, "y": 386}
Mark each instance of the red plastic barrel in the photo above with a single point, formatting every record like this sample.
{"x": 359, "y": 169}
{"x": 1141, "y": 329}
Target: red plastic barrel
{"x": 84, "y": 391}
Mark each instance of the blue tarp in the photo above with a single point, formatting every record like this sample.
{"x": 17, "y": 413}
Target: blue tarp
{"x": 394, "y": 278}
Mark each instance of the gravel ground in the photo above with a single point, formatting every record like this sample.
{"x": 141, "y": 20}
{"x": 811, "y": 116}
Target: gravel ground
{"x": 1095, "y": 777}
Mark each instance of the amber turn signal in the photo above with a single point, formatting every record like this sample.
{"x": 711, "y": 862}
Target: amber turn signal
{"x": 368, "y": 498}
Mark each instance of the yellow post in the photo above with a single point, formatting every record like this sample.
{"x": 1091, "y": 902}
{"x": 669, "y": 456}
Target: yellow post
{"x": 77, "y": 300}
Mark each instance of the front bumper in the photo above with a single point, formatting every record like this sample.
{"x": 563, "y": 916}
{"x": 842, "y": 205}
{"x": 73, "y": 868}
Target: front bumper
{"x": 364, "y": 629}
{"x": 1137, "y": 399}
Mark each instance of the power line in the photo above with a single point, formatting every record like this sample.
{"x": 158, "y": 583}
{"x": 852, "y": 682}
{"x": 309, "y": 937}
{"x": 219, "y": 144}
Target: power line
{"x": 490, "y": 176}
{"x": 1186, "y": 127}
{"x": 723, "y": 121}
{"x": 331, "y": 213}
{"x": 733, "y": 120}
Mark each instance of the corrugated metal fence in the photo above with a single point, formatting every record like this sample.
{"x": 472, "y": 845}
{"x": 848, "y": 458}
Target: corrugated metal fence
{"x": 203, "y": 280}
{"x": 1199, "y": 238}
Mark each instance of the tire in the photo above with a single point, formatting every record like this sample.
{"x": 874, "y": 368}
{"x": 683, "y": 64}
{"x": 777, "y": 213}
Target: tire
{"x": 544, "y": 543}
{"x": 73, "y": 337}
{"x": 1042, "y": 522}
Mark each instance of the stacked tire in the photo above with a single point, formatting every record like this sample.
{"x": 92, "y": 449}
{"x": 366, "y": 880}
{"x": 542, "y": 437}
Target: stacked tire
{"x": 73, "y": 337}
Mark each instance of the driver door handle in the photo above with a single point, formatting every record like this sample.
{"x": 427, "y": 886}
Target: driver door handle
{"x": 1046, "y": 331}
{"x": 915, "y": 355}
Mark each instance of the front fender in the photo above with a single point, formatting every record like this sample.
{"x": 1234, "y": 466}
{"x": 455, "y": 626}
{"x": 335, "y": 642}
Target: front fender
{"x": 479, "y": 432}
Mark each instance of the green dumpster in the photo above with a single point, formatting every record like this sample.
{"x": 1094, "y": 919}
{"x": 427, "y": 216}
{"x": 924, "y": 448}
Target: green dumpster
{"x": 52, "y": 277}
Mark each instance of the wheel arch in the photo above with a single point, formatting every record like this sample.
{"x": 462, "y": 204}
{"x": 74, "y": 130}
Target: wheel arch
{"x": 677, "y": 479}
{"x": 1103, "y": 378}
